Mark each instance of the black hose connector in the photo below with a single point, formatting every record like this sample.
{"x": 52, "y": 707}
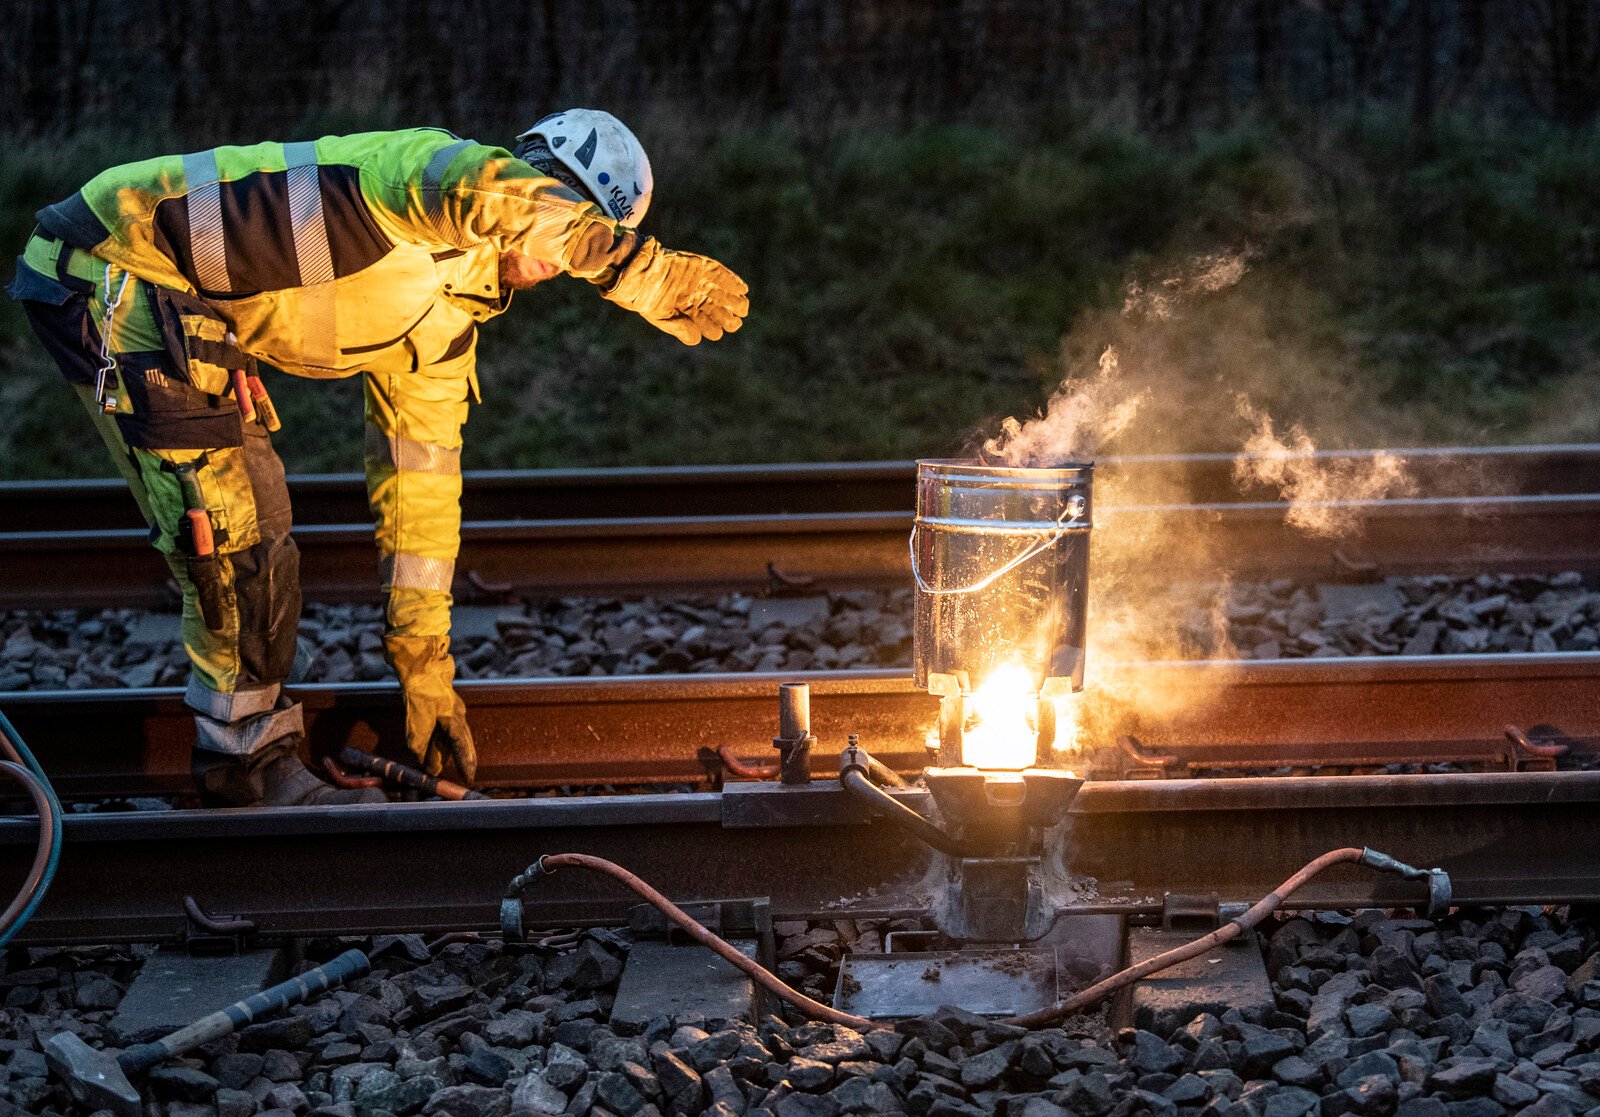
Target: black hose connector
{"x": 854, "y": 764}
{"x": 511, "y": 902}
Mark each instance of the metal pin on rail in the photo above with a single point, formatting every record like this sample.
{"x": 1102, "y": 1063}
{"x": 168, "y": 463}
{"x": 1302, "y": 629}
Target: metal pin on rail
{"x": 794, "y": 739}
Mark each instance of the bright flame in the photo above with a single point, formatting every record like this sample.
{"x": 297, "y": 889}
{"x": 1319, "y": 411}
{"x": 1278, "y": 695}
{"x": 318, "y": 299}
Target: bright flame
{"x": 1002, "y": 729}
{"x": 1066, "y": 736}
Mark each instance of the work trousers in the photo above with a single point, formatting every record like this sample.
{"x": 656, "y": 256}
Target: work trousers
{"x": 173, "y": 420}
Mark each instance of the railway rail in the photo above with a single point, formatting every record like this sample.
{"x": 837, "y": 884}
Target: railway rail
{"x": 1506, "y": 838}
{"x": 1517, "y": 828}
{"x": 1511, "y": 835}
{"x": 769, "y": 490}
{"x": 711, "y": 529}
{"x": 1362, "y": 712}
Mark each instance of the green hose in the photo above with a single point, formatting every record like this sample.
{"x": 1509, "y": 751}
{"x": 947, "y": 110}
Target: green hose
{"x": 27, "y": 771}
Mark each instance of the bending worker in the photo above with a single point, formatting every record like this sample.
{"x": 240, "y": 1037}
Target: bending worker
{"x": 158, "y": 286}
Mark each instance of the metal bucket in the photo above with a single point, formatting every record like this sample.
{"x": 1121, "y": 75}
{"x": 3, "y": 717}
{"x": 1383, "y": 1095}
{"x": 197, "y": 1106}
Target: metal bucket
{"x": 1001, "y": 559}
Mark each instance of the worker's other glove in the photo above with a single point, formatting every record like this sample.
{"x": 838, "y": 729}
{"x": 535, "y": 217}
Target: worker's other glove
{"x": 688, "y": 295}
{"x": 436, "y": 718}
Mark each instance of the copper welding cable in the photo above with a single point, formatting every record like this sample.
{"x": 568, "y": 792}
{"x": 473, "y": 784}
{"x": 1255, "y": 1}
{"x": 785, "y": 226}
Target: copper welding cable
{"x": 816, "y": 1010}
{"x": 341, "y": 778}
{"x": 41, "y": 856}
{"x": 213, "y": 925}
{"x": 746, "y": 769}
{"x": 1226, "y": 933}
{"x": 450, "y": 938}
{"x": 1544, "y": 750}
{"x": 405, "y": 775}
{"x": 763, "y": 977}
{"x": 755, "y": 770}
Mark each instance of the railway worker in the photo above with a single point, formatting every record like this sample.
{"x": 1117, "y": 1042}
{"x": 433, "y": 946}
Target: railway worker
{"x": 158, "y": 286}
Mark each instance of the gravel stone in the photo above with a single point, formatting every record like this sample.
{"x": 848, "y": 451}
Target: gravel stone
{"x": 275, "y": 1035}
{"x": 838, "y": 1050}
{"x": 180, "y": 1083}
{"x": 1147, "y": 1053}
{"x": 287, "y": 1096}
{"x": 1374, "y": 1064}
{"x": 1545, "y": 983}
{"x": 1465, "y": 1076}
{"x": 569, "y": 637}
{"x": 590, "y": 966}
{"x": 807, "y": 1074}
{"x": 986, "y": 1069}
{"x": 233, "y": 1103}
{"x": 613, "y": 1090}
{"x": 681, "y": 1085}
{"x": 1291, "y": 1101}
{"x": 468, "y": 1101}
{"x": 532, "y": 1092}
{"x": 1369, "y": 1019}
{"x": 809, "y": 1105}
{"x": 1091, "y": 1095}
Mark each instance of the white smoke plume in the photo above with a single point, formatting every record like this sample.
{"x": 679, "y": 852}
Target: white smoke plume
{"x": 1175, "y": 363}
{"x": 1081, "y": 417}
{"x": 1319, "y": 490}
{"x": 1203, "y": 274}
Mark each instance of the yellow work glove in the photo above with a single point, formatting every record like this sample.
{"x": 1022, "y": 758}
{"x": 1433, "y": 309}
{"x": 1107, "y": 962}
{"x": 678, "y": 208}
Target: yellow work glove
{"x": 436, "y": 718}
{"x": 688, "y": 295}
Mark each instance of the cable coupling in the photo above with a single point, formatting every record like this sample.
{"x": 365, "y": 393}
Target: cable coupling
{"x": 511, "y": 901}
{"x": 1439, "y": 889}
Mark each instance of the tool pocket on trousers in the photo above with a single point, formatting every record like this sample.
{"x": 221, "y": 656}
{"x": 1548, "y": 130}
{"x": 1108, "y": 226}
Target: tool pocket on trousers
{"x": 166, "y": 412}
{"x": 224, "y": 491}
{"x": 197, "y": 341}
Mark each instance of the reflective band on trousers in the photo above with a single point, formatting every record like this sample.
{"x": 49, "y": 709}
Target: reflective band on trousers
{"x": 410, "y": 454}
{"x": 238, "y": 704}
{"x": 414, "y": 572}
{"x": 433, "y": 187}
{"x": 204, "y": 195}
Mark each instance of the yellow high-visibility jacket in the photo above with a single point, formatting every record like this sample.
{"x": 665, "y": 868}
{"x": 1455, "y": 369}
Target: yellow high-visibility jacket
{"x": 374, "y": 253}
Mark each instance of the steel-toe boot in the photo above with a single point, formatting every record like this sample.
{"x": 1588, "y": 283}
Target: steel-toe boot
{"x": 270, "y": 777}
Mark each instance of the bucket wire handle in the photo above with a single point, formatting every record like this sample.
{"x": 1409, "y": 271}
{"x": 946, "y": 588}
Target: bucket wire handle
{"x": 989, "y": 579}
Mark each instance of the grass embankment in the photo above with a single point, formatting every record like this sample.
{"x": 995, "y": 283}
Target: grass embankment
{"x": 910, "y": 288}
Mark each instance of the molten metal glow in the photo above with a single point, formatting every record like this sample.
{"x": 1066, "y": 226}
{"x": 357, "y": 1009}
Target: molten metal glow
{"x": 1002, "y": 729}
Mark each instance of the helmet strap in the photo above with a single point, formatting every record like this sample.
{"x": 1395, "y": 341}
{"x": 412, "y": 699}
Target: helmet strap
{"x": 537, "y": 154}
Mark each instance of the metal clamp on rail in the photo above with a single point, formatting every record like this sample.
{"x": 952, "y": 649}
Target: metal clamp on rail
{"x": 511, "y": 903}
{"x": 1438, "y": 880}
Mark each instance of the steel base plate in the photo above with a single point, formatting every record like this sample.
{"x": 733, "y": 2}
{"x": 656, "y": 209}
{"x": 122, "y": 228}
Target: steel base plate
{"x": 1000, "y": 982}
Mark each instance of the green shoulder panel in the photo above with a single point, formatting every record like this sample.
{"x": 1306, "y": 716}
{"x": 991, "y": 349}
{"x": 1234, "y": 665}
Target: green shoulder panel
{"x": 427, "y": 187}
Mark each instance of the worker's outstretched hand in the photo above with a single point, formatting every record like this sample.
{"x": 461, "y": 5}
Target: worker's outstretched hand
{"x": 436, "y": 718}
{"x": 688, "y": 295}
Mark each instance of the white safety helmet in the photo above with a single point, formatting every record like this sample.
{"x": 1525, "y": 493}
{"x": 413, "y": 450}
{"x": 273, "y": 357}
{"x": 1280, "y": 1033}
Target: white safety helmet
{"x": 598, "y": 150}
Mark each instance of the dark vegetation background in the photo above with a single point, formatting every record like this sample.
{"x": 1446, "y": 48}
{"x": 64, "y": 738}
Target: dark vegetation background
{"x": 939, "y": 205}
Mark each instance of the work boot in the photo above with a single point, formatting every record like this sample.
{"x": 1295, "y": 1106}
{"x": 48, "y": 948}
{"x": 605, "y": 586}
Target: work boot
{"x": 270, "y": 777}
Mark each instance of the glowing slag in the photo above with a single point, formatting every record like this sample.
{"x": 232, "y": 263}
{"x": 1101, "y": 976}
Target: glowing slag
{"x": 1002, "y": 729}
